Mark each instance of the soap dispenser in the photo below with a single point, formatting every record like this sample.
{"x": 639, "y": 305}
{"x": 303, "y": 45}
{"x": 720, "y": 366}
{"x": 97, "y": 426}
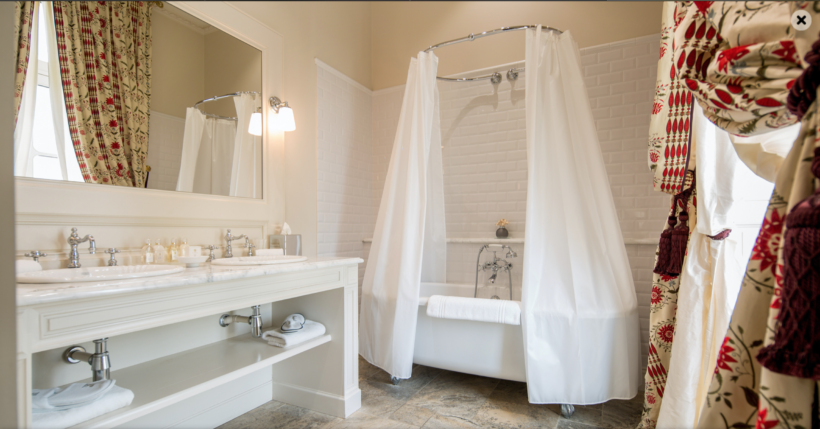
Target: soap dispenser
{"x": 173, "y": 251}
{"x": 160, "y": 255}
{"x": 147, "y": 253}
{"x": 184, "y": 249}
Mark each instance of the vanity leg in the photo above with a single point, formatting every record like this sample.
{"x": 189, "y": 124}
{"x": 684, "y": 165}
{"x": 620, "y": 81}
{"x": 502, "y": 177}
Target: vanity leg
{"x": 325, "y": 379}
{"x": 24, "y": 419}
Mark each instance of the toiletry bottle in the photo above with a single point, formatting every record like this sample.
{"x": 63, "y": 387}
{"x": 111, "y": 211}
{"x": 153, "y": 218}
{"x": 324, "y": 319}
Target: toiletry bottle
{"x": 160, "y": 255}
{"x": 147, "y": 253}
{"x": 173, "y": 251}
{"x": 183, "y": 248}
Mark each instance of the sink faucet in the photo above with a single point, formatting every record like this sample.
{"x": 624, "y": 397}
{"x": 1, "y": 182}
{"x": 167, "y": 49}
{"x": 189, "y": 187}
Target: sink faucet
{"x": 229, "y": 238}
{"x": 74, "y": 240}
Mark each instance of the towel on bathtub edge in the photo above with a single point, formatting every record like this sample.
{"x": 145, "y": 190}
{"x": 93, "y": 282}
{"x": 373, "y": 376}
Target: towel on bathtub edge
{"x": 475, "y": 309}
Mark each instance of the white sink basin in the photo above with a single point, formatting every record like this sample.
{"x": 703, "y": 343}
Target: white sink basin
{"x": 93, "y": 274}
{"x": 259, "y": 260}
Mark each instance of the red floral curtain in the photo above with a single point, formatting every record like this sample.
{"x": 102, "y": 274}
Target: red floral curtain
{"x": 105, "y": 63}
{"x": 739, "y": 60}
{"x": 23, "y": 13}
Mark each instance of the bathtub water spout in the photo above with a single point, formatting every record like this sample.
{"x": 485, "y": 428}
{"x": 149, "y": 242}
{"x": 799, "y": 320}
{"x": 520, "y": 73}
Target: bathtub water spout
{"x": 492, "y": 278}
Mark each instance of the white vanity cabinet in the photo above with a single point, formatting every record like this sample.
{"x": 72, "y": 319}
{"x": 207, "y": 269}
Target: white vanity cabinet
{"x": 324, "y": 377}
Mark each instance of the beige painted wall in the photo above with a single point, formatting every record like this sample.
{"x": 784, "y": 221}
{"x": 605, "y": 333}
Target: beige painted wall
{"x": 401, "y": 29}
{"x": 8, "y": 314}
{"x": 230, "y": 66}
{"x": 337, "y": 33}
{"x": 178, "y": 73}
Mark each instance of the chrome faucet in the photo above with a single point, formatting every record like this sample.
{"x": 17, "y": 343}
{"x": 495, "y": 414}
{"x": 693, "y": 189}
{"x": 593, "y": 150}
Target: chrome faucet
{"x": 249, "y": 246}
{"x": 229, "y": 238}
{"x": 495, "y": 266}
{"x": 74, "y": 240}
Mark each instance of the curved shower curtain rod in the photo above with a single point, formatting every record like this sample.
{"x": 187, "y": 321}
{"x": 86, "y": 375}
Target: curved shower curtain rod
{"x": 512, "y": 74}
{"x": 219, "y": 97}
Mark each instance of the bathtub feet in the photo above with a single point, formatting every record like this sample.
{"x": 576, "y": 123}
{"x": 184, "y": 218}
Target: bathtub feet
{"x": 395, "y": 380}
{"x": 567, "y": 410}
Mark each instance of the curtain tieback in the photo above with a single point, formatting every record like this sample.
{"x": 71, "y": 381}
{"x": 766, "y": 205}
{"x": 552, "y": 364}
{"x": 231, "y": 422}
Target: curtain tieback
{"x": 804, "y": 90}
{"x": 672, "y": 246}
{"x": 796, "y": 347}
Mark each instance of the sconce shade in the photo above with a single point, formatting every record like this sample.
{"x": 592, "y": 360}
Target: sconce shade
{"x": 255, "y": 126}
{"x": 284, "y": 120}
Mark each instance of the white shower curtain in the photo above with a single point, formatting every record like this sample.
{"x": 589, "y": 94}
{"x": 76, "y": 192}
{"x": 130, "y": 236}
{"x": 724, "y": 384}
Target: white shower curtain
{"x": 409, "y": 240}
{"x": 191, "y": 140}
{"x": 580, "y": 319}
{"x": 246, "y": 171}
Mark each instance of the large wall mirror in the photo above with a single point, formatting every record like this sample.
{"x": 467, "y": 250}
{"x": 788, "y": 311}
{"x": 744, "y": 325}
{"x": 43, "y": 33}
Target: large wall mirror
{"x": 139, "y": 96}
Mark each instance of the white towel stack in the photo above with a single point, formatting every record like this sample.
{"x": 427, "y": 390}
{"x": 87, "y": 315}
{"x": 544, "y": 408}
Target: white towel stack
{"x": 278, "y": 338}
{"x": 62, "y": 407}
{"x": 476, "y": 309}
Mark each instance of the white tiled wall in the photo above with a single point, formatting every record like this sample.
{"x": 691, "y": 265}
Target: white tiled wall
{"x": 345, "y": 152}
{"x": 164, "y": 150}
{"x": 485, "y": 171}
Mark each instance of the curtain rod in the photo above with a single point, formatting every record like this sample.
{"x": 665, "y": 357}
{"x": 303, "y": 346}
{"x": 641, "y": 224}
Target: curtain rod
{"x": 219, "y": 97}
{"x": 512, "y": 74}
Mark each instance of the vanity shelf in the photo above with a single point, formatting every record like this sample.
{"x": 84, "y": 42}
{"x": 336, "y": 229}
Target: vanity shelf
{"x": 171, "y": 379}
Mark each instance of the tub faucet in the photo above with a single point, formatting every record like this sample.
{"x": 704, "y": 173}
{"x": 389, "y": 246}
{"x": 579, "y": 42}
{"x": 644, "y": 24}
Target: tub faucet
{"x": 228, "y": 237}
{"x": 492, "y": 277}
{"x": 74, "y": 240}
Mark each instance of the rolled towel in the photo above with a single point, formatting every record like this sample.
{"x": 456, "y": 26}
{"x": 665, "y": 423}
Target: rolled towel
{"x": 72, "y": 396}
{"x": 278, "y": 338}
{"x": 26, "y": 266}
{"x": 476, "y": 309}
{"x": 115, "y": 398}
{"x": 270, "y": 252}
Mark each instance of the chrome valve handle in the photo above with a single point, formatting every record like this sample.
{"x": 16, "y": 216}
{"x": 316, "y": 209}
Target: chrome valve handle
{"x": 113, "y": 261}
{"x": 36, "y": 255}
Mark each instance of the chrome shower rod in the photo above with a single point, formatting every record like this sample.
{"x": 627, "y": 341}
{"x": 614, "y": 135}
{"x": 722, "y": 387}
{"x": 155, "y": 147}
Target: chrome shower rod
{"x": 495, "y": 77}
{"x": 219, "y": 97}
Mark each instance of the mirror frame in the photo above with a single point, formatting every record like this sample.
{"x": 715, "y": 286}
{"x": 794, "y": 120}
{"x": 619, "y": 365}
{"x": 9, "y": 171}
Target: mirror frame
{"x": 50, "y": 202}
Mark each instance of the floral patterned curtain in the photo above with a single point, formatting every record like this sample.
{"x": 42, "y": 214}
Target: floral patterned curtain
{"x": 23, "y": 12}
{"x": 739, "y": 60}
{"x": 105, "y": 62}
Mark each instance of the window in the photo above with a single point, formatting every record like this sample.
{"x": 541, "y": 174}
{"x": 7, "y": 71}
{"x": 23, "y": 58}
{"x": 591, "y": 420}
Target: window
{"x": 44, "y": 161}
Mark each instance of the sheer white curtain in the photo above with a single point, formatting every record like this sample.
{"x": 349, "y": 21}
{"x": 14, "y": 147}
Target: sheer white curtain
{"x": 409, "y": 228}
{"x": 222, "y": 140}
{"x": 580, "y": 318}
{"x": 246, "y": 150}
{"x": 728, "y": 194}
{"x": 24, "y": 129}
{"x": 191, "y": 141}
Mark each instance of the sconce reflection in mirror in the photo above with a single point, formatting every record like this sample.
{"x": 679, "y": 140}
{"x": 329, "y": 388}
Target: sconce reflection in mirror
{"x": 255, "y": 126}
{"x": 283, "y": 119}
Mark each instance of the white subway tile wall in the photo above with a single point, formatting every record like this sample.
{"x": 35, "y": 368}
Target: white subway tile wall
{"x": 164, "y": 150}
{"x": 345, "y": 165}
{"x": 485, "y": 169}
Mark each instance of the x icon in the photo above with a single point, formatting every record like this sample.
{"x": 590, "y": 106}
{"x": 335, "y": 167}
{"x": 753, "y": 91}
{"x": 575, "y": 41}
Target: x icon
{"x": 801, "y": 20}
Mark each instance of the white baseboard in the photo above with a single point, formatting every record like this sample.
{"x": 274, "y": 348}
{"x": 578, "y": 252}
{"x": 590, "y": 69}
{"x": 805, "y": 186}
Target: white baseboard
{"x": 213, "y": 407}
{"x": 316, "y": 400}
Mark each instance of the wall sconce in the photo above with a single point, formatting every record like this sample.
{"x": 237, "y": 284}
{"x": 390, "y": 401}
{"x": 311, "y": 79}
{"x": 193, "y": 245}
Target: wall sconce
{"x": 283, "y": 121}
{"x": 255, "y": 126}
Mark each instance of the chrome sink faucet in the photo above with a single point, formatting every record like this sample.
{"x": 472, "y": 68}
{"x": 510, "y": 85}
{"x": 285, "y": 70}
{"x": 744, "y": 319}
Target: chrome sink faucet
{"x": 74, "y": 240}
{"x": 229, "y": 238}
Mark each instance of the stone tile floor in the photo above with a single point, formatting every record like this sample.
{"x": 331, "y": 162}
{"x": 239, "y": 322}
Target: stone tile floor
{"x": 439, "y": 399}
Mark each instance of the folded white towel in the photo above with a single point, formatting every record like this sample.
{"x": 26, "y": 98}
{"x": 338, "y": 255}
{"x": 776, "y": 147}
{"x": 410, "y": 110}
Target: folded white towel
{"x": 270, "y": 252}
{"x": 278, "y": 338}
{"x": 115, "y": 398}
{"x": 477, "y": 309}
{"x": 72, "y": 396}
{"x": 26, "y": 266}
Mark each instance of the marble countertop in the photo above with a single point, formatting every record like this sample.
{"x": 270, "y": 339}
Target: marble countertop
{"x": 32, "y": 294}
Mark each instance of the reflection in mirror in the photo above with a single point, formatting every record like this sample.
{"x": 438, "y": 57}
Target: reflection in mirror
{"x": 156, "y": 99}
